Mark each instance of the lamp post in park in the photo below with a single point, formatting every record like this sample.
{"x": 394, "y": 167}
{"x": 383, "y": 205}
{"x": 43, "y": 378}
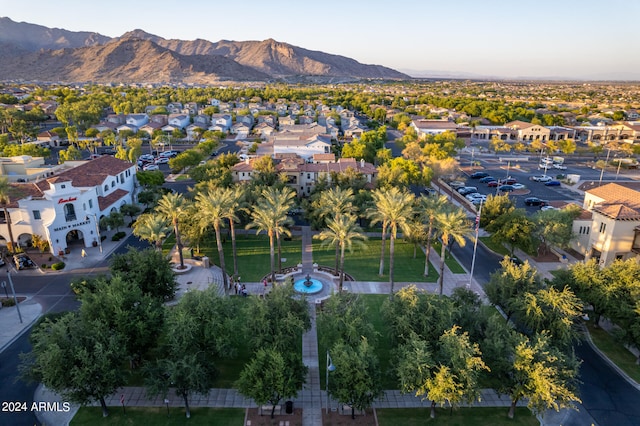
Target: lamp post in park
{"x": 330, "y": 367}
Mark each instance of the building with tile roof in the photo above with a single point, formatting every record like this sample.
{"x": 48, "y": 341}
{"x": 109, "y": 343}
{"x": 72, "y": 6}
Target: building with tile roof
{"x": 615, "y": 223}
{"x": 66, "y": 206}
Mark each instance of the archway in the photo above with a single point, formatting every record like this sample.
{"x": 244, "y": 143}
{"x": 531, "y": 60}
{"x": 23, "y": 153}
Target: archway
{"x": 75, "y": 238}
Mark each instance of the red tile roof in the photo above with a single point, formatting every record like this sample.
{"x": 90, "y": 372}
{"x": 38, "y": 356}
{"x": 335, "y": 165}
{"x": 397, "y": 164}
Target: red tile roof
{"x": 104, "y": 202}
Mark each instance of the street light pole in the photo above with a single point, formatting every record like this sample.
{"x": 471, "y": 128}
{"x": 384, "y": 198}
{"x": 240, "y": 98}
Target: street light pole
{"x": 475, "y": 245}
{"x": 95, "y": 218}
{"x": 603, "y": 166}
{"x": 13, "y": 291}
{"x": 330, "y": 367}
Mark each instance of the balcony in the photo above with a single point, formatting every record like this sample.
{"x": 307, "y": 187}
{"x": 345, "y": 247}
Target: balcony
{"x": 70, "y": 217}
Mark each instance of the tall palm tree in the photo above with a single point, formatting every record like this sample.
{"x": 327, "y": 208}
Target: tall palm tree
{"x": 236, "y": 204}
{"x": 453, "y": 225}
{"x": 395, "y": 208}
{"x": 153, "y": 228}
{"x": 333, "y": 203}
{"x": 429, "y": 207}
{"x": 5, "y": 199}
{"x": 174, "y": 207}
{"x": 213, "y": 205}
{"x": 343, "y": 232}
{"x": 270, "y": 215}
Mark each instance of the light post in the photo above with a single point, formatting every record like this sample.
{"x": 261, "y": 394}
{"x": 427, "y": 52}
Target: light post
{"x": 95, "y": 218}
{"x": 603, "y": 166}
{"x": 13, "y": 291}
{"x": 475, "y": 244}
{"x": 330, "y": 367}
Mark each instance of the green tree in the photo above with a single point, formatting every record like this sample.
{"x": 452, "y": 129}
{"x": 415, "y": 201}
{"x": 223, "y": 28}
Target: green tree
{"x": 174, "y": 207}
{"x": 428, "y": 209}
{"x": 130, "y": 210}
{"x": 507, "y": 286}
{"x": 342, "y": 232}
{"x": 77, "y": 358}
{"x": 344, "y": 318}
{"x": 514, "y": 229}
{"x": 70, "y": 154}
{"x": 555, "y": 227}
{"x": 153, "y": 228}
{"x": 393, "y": 208}
{"x": 271, "y": 376}
{"x": 452, "y": 225}
{"x": 356, "y": 380}
{"x": 150, "y": 179}
{"x": 496, "y": 206}
{"x": 149, "y": 269}
{"x": 114, "y": 220}
{"x": 186, "y": 159}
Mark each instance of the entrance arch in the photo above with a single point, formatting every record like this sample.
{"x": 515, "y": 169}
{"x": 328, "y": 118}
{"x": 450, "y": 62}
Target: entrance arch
{"x": 75, "y": 238}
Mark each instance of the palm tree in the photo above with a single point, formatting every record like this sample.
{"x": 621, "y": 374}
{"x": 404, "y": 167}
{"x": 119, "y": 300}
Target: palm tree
{"x": 453, "y": 225}
{"x": 236, "y": 203}
{"x": 333, "y": 203}
{"x": 393, "y": 208}
{"x": 213, "y": 205}
{"x": 270, "y": 215}
{"x": 429, "y": 207}
{"x": 342, "y": 232}
{"x": 173, "y": 207}
{"x": 153, "y": 228}
{"x": 5, "y": 199}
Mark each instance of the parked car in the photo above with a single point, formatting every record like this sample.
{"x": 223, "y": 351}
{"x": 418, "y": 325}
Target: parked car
{"x": 508, "y": 181}
{"x": 505, "y": 188}
{"x": 150, "y": 167}
{"x": 478, "y": 175}
{"x": 474, "y": 195}
{"x": 146, "y": 157}
{"x": 535, "y": 201}
{"x": 492, "y": 184}
{"x": 162, "y": 160}
{"x": 168, "y": 154}
{"x": 467, "y": 190}
{"x": 456, "y": 184}
{"x": 553, "y": 183}
{"x": 22, "y": 261}
{"x": 559, "y": 166}
{"x": 541, "y": 178}
{"x": 487, "y": 179}
{"x": 544, "y": 208}
{"x": 518, "y": 186}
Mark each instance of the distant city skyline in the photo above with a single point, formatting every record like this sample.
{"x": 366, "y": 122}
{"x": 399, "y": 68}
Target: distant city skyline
{"x": 554, "y": 39}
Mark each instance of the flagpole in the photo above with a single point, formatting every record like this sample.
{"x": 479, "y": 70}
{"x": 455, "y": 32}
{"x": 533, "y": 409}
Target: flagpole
{"x": 475, "y": 245}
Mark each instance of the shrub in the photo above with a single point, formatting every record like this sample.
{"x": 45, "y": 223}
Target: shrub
{"x": 58, "y": 266}
{"x": 44, "y": 266}
{"x": 118, "y": 236}
{"x": 103, "y": 237}
{"x": 8, "y": 302}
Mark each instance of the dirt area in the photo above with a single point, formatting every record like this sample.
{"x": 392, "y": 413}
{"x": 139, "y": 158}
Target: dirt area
{"x": 295, "y": 419}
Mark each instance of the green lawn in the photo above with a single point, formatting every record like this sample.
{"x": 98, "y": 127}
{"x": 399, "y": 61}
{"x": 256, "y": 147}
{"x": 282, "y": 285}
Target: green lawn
{"x": 157, "y": 416}
{"x": 615, "y": 351}
{"x": 498, "y": 248}
{"x": 449, "y": 260}
{"x": 253, "y": 254}
{"x": 383, "y": 345}
{"x": 495, "y": 416}
{"x": 363, "y": 263}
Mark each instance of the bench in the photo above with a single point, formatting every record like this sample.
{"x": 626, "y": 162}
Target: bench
{"x": 267, "y": 409}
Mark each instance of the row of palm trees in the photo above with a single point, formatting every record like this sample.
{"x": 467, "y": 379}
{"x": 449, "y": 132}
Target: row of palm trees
{"x": 421, "y": 219}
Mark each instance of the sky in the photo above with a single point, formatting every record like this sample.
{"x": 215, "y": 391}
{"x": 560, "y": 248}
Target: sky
{"x": 569, "y": 39}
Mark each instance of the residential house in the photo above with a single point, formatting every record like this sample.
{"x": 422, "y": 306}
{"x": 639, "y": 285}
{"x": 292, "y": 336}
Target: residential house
{"x": 264, "y": 130}
{"x": 137, "y": 120}
{"x": 202, "y": 120}
{"x": 241, "y": 130}
{"x": 49, "y": 138}
{"x": 179, "y": 120}
{"x": 433, "y": 127}
{"x": 221, "y": 122}
{"x": 286, "y": 120}
{"x": 174, "y": 107}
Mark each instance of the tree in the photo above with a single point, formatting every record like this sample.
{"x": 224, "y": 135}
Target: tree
{"x": 554, "y": 227}
{"x": 495, "y": 207}
{"x": 185, "y": 159}
{"x": 393, "y": 208}
{"x": 344, "y": 318}
{"x": 342, "y": 232}
{"x": 452, "y": 224}
{"x": 332, "y": 204}
{"x": 567, "y": 146}
{"x": 5, "y": 199}
{"x": 151, "y": 178}
{"x": 70, "y": 154}
{"x": 125, "y": 310}
{"x": 148, "y": 269}
{"x": 153, "y": 228}
{"x": 214, "y": 205}
{"x": 77, "y": 358}
{"x": 236, "y": 203}
{"x": 507, "y": 286}
{"x": 428, "y": 209}
{"x": 271, "y": 376}
{"x": 356, "y": 381}
{"x": 114, "y": 220}
{"x": 130, "y": 210}
{"x": 514, "y": 229}
{"x": 174, "y": 207}
{"x": 498, "y": 145}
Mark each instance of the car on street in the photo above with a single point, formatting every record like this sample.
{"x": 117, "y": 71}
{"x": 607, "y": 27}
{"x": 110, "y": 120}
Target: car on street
{"x": 474, "y": 195}
{"x": 162, "y": 160}
{"x": 168, "y": 154}
{"x": 518, "y": 186}
{"x": 467, "y": 190}
{"x": 559, "y": 166}
{"x": 535, "y": 201}
{"x": 456, "y": 184}
{"x": 552, "y": 183}
{"x": 150, "y": 167}
{"x": 478, "y": 175}
{"x": 505, "y": 188}
{"x": 544, "y": 208}
{"x": 541, "y": 178}
{"x": 487, "y": 179}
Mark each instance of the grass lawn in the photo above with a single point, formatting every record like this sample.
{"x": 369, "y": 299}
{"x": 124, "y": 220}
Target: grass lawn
{"x": 615, "y": 351}
{"x": 182, "y": 177}
{"x": 363, "y": 263}
{"x": 157, "y": 416}
{"x": 498, "y": 248}
{"x": 495, "y": 416}
{"x": 449, "y": 260}
{"x": 383, "y": 345}
{"x": 253, "y": 254}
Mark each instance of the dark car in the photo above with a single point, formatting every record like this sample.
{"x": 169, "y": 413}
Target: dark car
{"x": 552, "y": 183}
{"x": 535, "y": 201}
{"x": 492, "y": 184}
{"x": 478, "y": 175}
{"x": 467, "y": 190}
{"x": 487, "y": 179}
{"x": 508, "y": 181}
{"x": 22, "y": 261}
{"x": 505, "y": 188}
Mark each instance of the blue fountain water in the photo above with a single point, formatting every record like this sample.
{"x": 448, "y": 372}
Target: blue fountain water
{"x": 301, "y": 287}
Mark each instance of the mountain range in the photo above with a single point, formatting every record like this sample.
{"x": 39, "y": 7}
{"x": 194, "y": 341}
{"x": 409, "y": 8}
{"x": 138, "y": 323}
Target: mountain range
{"x": 36, "y": 53}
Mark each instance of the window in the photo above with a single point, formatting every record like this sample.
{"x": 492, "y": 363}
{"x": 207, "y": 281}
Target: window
{"x": 36, "y": 214}
{"x": 63, "y": 186}
{"x": 106, "y": 188}
{"x": 113, "y": 183}
{"x": 90, "y": 204}
{"x": 603, "y": 227}
{"x": 69, "y": 212}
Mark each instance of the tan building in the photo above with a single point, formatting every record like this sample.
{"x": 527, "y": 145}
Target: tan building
{"x": 615, "y": 224}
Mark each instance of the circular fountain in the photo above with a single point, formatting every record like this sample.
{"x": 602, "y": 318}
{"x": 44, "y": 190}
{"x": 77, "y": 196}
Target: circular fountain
{"x": 307, "y": 285}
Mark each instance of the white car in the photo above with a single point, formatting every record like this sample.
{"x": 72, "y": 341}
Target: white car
{"x": 518, "y": 186}
{"x": 541, "y": 178}
{"x": 150, "y": 167}
{"x": 544, "y": 208}
{"x": 146, "y": 157}
{"x": 559, "y": 167}
{"x": 162, "y": 160}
